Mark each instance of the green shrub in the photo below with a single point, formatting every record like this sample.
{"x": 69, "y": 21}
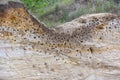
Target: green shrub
{"x": 42, "y": 7}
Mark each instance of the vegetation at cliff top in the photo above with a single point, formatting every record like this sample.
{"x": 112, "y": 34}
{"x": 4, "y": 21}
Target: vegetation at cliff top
{"x": 54, "y": 12}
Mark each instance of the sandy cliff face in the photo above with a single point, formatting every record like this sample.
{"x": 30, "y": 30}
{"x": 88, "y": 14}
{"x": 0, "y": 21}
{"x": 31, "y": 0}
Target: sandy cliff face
{"x": 87, "y": 48}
